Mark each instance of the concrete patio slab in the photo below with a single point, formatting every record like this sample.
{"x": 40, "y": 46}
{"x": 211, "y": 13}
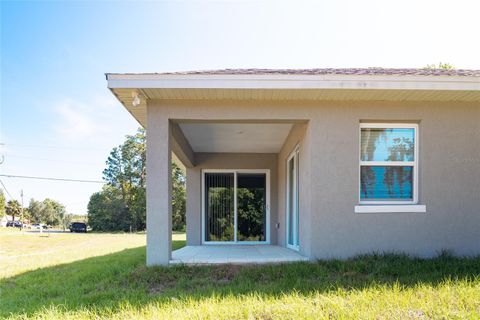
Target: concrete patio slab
{"x": 235, "y": 254}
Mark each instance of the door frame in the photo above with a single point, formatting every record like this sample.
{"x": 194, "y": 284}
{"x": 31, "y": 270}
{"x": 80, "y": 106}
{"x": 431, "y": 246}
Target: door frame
{"x": 295, "y": 154}
{"x": 267, "y": 206}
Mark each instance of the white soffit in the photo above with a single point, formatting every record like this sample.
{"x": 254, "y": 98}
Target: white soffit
{"x": 290, "y": 87}
{"x": 236, "y": 137}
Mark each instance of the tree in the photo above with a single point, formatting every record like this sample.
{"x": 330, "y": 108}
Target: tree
{"x": 126, "y": 167}
{"x": 442, "y": 66}
{"x": 178, "y": 198}
{"x": 106, "y": 210}
{"x": 126, "y": 164}
{"x": 2, "y": 204}
{"x": 53, "y": 212}
{"x": 67, "y": 220}
{"x": 13, "y": 209}
{"x": 35, "y": 209}
{"x": 121, "y": 204}
{"x": 48, "y": 211}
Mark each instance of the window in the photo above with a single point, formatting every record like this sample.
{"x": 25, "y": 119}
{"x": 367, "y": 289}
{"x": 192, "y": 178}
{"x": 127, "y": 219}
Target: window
{"x": 388, "y": 163}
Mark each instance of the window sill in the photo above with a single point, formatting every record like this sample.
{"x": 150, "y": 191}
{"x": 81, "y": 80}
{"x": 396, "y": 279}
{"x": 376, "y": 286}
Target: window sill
{"x": 403, "y": 208}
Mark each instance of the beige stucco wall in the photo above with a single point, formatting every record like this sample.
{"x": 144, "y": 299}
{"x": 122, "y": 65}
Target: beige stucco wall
{"x": 449, "y": 182}
{"x": 298, "y": 137}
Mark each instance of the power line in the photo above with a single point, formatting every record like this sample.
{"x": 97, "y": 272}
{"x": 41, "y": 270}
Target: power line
{"x": 49, "y": 146}
{"x": 53, "y": 160}
{"x": 53, "y": 179}
{"x": 5, "y": 188}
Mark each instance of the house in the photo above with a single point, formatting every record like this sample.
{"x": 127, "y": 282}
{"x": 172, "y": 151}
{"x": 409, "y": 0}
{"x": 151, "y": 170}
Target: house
{"x": 4, "y": 220}
{"x": 7, "y": 218}
{"x": 313, "y": 163}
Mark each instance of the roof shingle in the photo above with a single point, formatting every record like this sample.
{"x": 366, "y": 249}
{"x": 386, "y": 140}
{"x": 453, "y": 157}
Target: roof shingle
{"x": 338, "y": 71}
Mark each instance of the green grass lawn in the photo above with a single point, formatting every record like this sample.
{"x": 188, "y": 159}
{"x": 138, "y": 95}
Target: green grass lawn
{"x": 81, "y": 276}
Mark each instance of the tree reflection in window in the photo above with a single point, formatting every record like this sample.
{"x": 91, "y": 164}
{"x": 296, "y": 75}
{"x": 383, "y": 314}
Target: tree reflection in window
{"x": 391, "y": 144}
{"x": 384, "y": 145}
{"x": 251, "y": 202}
{"x": 395, "y": 185}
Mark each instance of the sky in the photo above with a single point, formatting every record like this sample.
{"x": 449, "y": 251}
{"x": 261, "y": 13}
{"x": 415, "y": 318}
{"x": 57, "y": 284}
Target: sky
{"x": 58, "y": 119}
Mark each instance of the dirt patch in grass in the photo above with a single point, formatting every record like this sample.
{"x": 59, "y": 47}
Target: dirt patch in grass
{"x": 158, "y": 288}
{"x": 226, "y": 273}
{"x": 416, "y": 314}
{"x": 10, "y": 284}
{"x": 157, "y": 280}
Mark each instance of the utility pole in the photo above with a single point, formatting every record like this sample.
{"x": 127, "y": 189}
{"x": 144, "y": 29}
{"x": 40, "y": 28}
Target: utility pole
{"x": 21, "y": 213}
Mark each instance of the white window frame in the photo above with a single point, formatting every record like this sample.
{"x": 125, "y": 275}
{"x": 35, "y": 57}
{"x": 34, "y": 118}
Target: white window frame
{"x": 235, "y": 172}
{"x": 413, "y": 164}
{"x": 295, "y": 155}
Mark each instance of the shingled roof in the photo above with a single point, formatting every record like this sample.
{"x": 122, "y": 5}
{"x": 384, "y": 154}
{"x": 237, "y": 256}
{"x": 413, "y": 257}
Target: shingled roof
{"x": 335, "y": 71}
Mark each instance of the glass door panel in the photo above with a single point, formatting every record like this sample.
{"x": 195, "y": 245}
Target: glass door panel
{"x": 219, "y": 206}
{"x": 251, "y": 206}
{"x": 292, "y": 202}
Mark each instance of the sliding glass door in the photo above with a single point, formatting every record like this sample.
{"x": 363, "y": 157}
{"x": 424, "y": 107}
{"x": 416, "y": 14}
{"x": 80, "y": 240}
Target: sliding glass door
{"x": 292, "y": 201}
{"x": 235, "y": 206}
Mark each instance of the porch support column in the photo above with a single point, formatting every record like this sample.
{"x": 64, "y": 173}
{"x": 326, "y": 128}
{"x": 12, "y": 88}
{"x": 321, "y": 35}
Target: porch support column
{"x": 159, "y": 200}
{"x": 194, "y": 207}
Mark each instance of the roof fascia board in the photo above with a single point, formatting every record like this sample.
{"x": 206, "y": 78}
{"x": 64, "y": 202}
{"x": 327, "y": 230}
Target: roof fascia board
{"x": 157, "y": 81}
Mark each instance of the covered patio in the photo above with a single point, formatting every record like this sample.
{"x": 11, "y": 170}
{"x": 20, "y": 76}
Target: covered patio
{"x": 234, "y": 170}
{"x": 235, "y": 254}
{"x": 235, "y": 154}
{"x": 232, "y": 191}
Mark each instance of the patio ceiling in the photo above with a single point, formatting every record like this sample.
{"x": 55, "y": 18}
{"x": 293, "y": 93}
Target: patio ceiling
{"x": 236, "y": 137}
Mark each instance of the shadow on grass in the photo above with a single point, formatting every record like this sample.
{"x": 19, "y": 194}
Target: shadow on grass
{"x": 107, "y": 282}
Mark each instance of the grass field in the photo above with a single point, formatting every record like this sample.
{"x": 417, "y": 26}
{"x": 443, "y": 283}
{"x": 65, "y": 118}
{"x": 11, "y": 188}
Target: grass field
{"x": 80, "y": 276}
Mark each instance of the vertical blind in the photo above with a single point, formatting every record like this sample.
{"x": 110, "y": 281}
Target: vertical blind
{"x": 219, "y": 206}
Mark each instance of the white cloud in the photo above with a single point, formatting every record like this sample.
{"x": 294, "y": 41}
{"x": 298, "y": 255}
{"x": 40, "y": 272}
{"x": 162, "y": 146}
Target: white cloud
{"x": 106, "y": 101}
{"x": 78, "y": 120}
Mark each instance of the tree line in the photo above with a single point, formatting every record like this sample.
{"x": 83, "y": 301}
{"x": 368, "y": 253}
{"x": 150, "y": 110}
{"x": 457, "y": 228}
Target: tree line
{"x": 48, "y": 211}
{"x": 121, "y": 204}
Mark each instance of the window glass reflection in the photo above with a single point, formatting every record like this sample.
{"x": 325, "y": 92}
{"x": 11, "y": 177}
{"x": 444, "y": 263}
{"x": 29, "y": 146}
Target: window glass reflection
{"x": 391, "y": 144}
{"x": 386, "y": 183}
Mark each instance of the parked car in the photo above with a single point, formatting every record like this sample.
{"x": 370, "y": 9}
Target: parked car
{"x": 17, "y": 224}
{"x": 78, "y": 227}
